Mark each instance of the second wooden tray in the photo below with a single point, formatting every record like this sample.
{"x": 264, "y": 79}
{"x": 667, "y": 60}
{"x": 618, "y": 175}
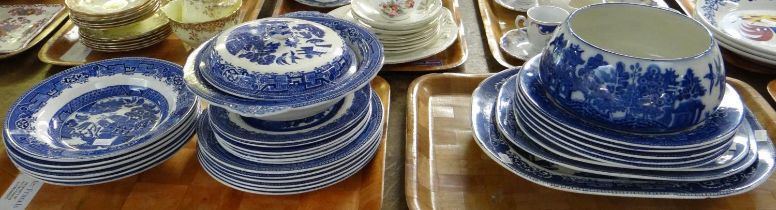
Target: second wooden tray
{"x": 452, "y": 57}
{"x": 446, "y": 169}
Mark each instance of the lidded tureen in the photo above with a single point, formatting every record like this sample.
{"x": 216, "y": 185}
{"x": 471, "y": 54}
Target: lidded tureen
{"x": 277, "y": 59}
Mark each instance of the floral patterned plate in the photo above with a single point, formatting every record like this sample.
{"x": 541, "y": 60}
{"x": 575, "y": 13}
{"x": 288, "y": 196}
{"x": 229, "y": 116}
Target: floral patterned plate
{"x": 100, "y": 110}
{"x": 19, "y": 24}
{"x": 749, "y": 23}
{"x": 558, "y": 177}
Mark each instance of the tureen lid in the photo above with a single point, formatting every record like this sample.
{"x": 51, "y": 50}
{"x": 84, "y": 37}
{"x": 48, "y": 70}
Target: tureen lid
{"x": 279, "y": 45}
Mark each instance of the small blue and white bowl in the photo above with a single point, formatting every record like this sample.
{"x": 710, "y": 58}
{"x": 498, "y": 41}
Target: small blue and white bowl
{"x": 634, "y": 68}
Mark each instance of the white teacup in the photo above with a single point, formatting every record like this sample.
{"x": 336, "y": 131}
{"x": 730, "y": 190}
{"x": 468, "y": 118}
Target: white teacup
{"x": 394, "y": 9}
{"x": 540, "y": 24}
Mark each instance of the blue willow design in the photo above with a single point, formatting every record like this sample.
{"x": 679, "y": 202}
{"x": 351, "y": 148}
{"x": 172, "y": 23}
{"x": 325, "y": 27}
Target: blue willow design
{"x": 110, "y": 115}
{"x": 629, "y": 95}
{"x": 262, "y": 47}
{"x": 546, "y": 29}
{"x": 294, "y": 125}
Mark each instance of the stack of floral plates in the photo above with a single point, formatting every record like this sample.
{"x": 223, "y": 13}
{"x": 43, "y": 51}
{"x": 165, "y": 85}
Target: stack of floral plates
{"x": 747, "y": 28}
{"x": 101, "y": 121}
{"x": 428, "y": 30}
{"x": 290, "y": 109}
{"x": 119, "y": 25}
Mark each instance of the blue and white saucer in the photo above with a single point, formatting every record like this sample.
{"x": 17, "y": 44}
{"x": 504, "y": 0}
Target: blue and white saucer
{"x": 336, "y": 120}
{"x": 324, "y": 3}
{"x": 99, "y": 110}
{"x": 364, "y": 44}
{"x": 721, "y": 125}
{"x": 515, "y": 43}
{"x": 551, "y": 175}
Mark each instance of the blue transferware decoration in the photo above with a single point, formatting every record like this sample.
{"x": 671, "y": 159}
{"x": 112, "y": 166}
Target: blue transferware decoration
{"x": 324, "y": 3}
{"x": 515, "y": 132}
{"x": 277, "y": 59}
{"x": 365, "y": 46}
{"x": 645, "y": 88}
{"x": 508, "y": 110}
{"x": 96, "y": 164}
{"x": 209, "y": 145}
{"x": 555, "y": 176}
{"x": 334, "y": 120}
{"x": 99, "y": 110}
{"x": 721, "y": 124}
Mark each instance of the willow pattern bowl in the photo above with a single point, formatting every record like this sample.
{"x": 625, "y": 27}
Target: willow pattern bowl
{"x": 99, "y": 110}
{"x": 634, "y": 68}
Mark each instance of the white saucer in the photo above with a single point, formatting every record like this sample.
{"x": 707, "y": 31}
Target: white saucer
{"x": 516, "y": 44}
{"x": 517, "y": 5}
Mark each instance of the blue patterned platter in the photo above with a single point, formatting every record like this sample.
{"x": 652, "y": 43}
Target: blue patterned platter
{"x": 209, "y": 145}
{"x": 558, "y": 177}
{"x": 365, "y": 45}
{"x": 719, "y": 126}
{"x": 97, "y": 164}
{"x": 343, "y": 115}
{"x": 99, "y": 110}
{"x": 324, "y": 3}
{"x": 539, "y": 146}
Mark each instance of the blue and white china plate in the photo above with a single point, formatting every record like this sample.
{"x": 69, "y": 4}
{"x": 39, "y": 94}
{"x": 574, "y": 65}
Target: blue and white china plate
{"x": 364, "y": 44}
{"x": 527, "y": 142}
{"x": 333, "y": 120}
{"x": 71, "y": 167}
{"x": 117, "y": 173}
{"x": 719, "y": 126}
{"x": 209, "y": 145}
{"x": 558, "y": 177}
{"x": 100, "y": 109}
{"x": 508, "y": 110}
{"x": 324, "y": 3}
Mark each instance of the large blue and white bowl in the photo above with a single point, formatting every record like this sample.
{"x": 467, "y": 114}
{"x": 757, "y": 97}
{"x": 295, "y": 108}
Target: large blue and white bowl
{"x": 634, "y": 68}
{"x": 369, "y": 58}
{"x": 277, "y": 59}
{"x": 99, "y": 110}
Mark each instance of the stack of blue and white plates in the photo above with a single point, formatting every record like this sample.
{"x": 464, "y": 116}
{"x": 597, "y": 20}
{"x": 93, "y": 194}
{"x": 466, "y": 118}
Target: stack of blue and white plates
{"x": 101, "y": 121}
{"x": 291, "y": 109}
{"x": 582, "y": 125}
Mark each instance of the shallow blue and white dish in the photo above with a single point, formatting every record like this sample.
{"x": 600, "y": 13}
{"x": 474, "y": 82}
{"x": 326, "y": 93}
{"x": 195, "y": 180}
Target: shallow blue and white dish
{"x": 339, "y": 117}
{"x": 720, "y": 125}
{"x": 324, "y": 3}
{"x": 606, "y": 64}
{"x": 558, "y": 177}
{"x": 278, "y": 59}
{"x": 365, "y": 46}
{"x": 515, "y": 133}
{"x": 100, "y": 109}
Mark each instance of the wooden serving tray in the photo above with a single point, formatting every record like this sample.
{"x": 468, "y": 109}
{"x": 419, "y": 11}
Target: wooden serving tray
{"x": 452, "y": 57}
{"x": 497, "y": 20}
{"x": 688, "y": 7}
{"x": 180, "y": 183}
{"x": 445, "y": 169}
{"x": 43, "y": 33}
{"x": 65, "y": 48}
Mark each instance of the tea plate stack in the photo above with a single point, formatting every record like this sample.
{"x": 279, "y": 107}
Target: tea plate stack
{"x": 427, "y": 31}
{"x": 101, "y": 121}
{"x": 743, "y": 27}
{"x": 287, "y": 118}
{"x": 571, "y": 121}
{"x": 114, "y": 26}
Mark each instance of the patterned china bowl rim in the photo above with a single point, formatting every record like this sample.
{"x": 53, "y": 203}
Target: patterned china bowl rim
{"x": 367, "y": 67}
{"x": 709, "y": 49}
{"x": 184, "y": 106}
{"x": 124, "y": 10}
{"x": 236, "y": 9}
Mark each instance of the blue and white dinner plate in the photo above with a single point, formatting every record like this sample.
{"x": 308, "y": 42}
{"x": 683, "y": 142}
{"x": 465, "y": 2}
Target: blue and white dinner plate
{"x": 367, "y": 47}
{"x": 555, "y": 176}
{"x": 721, "y": 125}
{"x": 72, "y": 167}
{"x": 508, "y": 110}
{"x": 209, "y": 145}
{"x": 324, "y": 3}
{"x": 99, "y": 110}
{"x": 532, "y": 144}
{"x": 337, "y": 119}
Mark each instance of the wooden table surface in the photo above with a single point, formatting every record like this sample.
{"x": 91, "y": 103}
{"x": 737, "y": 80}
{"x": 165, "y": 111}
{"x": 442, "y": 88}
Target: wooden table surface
{"x": 22, "y": 71}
